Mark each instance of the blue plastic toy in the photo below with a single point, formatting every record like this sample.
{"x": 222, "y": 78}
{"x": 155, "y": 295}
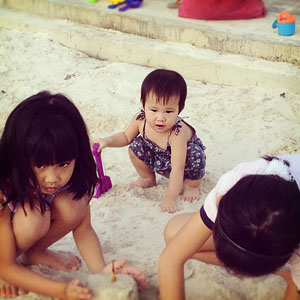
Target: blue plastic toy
{"x": 285, "y": 23}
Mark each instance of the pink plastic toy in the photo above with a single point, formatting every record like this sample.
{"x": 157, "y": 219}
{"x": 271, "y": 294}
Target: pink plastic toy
{"x": 104, "y": 183}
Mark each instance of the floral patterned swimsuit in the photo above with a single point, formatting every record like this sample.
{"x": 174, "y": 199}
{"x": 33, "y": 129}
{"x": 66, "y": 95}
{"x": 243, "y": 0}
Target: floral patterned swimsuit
{"x": 159, "y": 160}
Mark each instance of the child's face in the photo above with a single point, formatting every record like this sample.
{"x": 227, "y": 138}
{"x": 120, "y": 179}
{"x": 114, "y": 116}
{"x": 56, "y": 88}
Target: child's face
{"x": 51, "y": 178}
{"x": 161, "y": 118}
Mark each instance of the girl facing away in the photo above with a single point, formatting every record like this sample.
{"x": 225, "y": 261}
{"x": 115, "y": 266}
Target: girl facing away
{"x": 249, "y": 223}
{"x": 47, "y": 178}
{"x": 162, "y": 142}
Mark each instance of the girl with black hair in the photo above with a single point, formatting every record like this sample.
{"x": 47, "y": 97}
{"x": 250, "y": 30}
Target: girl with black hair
{"x": 47, "y": 179}
{"x": 162, "y": 142}
{"x": 249, "y": 223}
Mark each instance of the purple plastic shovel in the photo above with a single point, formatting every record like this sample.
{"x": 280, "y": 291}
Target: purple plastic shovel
{"x": 104, "y": 183}
{"x": 131, "y": 4}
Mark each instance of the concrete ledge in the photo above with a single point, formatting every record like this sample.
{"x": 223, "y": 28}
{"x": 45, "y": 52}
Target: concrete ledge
{"x": 169, "y": 27}
{"x": 192, "y": 62}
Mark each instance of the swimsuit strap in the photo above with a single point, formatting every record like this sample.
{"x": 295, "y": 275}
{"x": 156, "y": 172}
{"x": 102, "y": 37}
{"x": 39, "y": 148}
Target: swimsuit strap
{"x": 141, "y": 116}
{"x": 176, "y": 129}
{"x": 49, "y": 197}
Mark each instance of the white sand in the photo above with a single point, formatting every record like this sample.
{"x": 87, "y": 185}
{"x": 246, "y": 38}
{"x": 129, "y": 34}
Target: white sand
{"x": 235, "y": 124}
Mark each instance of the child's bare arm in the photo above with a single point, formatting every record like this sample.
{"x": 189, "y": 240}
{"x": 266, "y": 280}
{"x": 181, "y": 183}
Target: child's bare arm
{"x": 28, "y": 280}
{"x": 88, "y": 244}
{"x": 22, "y": 277}
{"x": 291, "y": 292}
{"x": 122, "y": 138}
{"x": 178, "y": 156}
{"x": 183, "y": 246}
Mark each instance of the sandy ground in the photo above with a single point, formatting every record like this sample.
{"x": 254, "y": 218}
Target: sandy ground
{"x": 235, "y": 124}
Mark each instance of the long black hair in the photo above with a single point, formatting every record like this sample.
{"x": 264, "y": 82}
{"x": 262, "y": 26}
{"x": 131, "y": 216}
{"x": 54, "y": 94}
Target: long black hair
{"x": 42, "y": 130}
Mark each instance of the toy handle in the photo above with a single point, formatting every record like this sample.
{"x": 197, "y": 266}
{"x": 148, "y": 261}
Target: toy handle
{"x": 274, "y": 25}
{"x": 284, "y": 16}
{"x": 98, "y": 160}
{"x": 125, "y": 7}
{"x": 111, "y": 6}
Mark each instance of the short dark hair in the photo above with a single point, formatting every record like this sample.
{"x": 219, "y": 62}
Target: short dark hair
{"x": 164, "y": 84}
{"x": 261, "y": 214}
{"x": 44, "y": 129}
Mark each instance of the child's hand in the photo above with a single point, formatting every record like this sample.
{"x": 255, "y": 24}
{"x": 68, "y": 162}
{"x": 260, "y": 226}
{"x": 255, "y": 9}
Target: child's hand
{"x": 75, "y": 290}
{"x": 102, "y": 143}
{"x": 168, "y": 206}
{"x": 9, "y": 291}
{"x": 119, "y": 268}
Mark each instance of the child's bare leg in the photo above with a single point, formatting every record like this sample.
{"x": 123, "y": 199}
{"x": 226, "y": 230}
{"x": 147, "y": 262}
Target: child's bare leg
{"x": 147, "y": 177}
{"x": 206, "y": 253}
{"x": 58, "y": 260}
{"x": 174, "y": 225}
{"x": 66, "y": 214}
{"x": 191, "y": 190}
{"x": 30, "y": 227}
{"x": 27, "y": 230}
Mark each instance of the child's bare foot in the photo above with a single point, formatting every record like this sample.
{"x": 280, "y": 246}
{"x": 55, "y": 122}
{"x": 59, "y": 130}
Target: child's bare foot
{"x": 190, "y": 193}
{"x": 143, "y": 182}
{"x": 9, "y": 291}
{"x": 168, "y": 206}
{"x": 191, "y": 190}
{"x": 57, "y": 260}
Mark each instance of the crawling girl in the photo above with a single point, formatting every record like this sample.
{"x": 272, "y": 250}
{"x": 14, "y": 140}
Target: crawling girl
{"x": 162, "y": 142}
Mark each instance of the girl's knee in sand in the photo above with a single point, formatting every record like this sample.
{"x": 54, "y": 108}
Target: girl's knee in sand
{"x": 29, "y": 226}
{"x": 174, "y": 225}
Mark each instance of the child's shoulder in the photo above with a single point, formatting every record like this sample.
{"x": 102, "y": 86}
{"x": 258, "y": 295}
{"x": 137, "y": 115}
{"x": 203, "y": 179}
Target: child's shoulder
{"x": 139, "y": 116}
{"x": 137, "y": 121}
{"x": 183, "y": 129}
{"x": 180, "y": 134}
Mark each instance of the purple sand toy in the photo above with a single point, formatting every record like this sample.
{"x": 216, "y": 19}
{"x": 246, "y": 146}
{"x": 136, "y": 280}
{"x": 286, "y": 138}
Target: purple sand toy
{"x": 104, "y": 183}
{"x": 111, "y": 6}
{"x": 126, "y": 4}
{"x": 132, "y": 4}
